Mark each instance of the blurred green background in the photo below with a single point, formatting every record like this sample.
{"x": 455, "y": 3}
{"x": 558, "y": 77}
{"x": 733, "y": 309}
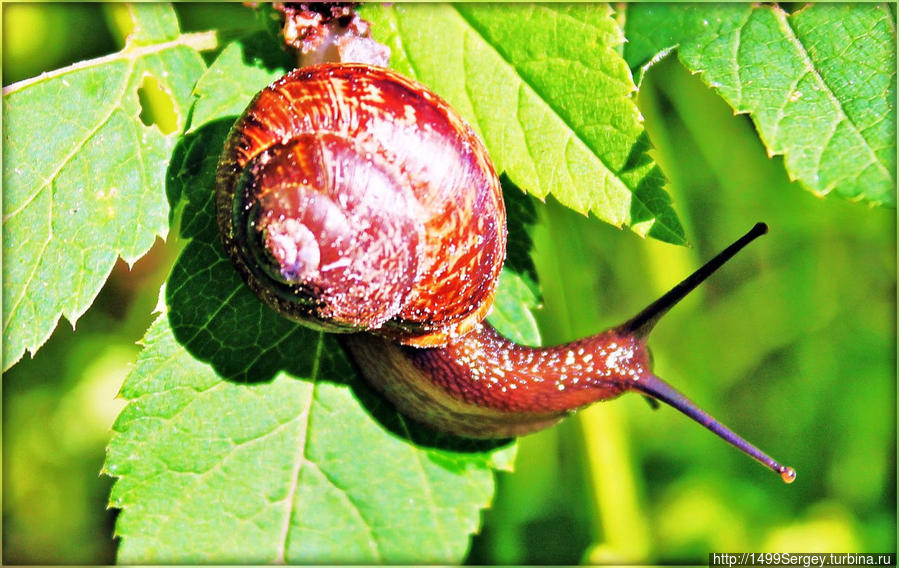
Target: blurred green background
{"x": 793, "y": 345}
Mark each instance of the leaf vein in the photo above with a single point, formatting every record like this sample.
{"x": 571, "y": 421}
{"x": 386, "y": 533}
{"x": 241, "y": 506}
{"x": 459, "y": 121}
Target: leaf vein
{"x": 305, "y": 416}
{"x": 526, "y": 83}
{"x": 24, "y": 289}
{"x": 375, "y": 546}
{"x": 792, "y": 36}
{"x": 781, "y": 108}
{"x": 429, "y": 494}
{"x": 201, "y": 41}
{"x": 113, "y": 106}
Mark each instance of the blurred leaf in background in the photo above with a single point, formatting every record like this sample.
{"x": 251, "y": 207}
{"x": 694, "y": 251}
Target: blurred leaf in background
{"x": 43, "y": 37}
{"x": 57, "y": 412}
{"x": 793, "y": 345}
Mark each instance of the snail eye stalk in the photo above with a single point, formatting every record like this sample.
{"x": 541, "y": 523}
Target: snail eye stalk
{"x": 640, "y": 325}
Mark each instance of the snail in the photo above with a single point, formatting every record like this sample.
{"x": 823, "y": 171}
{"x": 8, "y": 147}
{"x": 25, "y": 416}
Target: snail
{"x": 354, "y": 200}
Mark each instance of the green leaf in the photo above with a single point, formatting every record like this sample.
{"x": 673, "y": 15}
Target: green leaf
{"x": 517, "y": 293}
{"x": 819, "y": 84}
{"x": 243, "y": 69}
{"x": 244, "y": 424}
{"x": 83, "y": 176}
{"x": 557, "y": 116}
{"x": 511, "y": 314}
{"x": 250, "y": 439}
{"x": 289, "y": 468}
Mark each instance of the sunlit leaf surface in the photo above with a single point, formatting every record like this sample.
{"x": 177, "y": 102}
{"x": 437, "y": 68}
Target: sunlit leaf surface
{"x": 820, "y": 84}
{"x": 546, "y": 88}
{"x": 83, "y": 175}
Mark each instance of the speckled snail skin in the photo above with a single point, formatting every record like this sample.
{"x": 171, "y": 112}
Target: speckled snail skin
{"x": 352, "y": 199}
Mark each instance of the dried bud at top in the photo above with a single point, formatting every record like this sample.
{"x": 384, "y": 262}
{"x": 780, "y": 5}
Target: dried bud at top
{"x": 330, "y": 32}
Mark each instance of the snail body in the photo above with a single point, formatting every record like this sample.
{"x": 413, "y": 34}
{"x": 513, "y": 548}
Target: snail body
{"x": 354, "y": 200}
{"x": 483, "y": 385}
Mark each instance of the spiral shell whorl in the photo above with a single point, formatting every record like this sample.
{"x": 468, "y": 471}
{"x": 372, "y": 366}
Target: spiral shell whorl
{"x": 352, "y": 198}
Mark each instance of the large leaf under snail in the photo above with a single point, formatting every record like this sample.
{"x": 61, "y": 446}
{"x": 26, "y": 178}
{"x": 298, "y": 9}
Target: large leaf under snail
{"x": 229, "y": 398}
{"x": 242, "y": 423}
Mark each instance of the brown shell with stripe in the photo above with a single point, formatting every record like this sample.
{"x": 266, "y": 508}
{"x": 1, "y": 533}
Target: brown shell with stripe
{"x": 352, "y": 198}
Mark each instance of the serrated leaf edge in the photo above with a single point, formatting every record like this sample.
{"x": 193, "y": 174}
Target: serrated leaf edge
{"x": 130, "y": 54}
{"x": 785, "y": 24}
{"x": 527, "y": 84}
{"x": 200, "y": 41}
{"x": 575, "y": 135}
{"x": 809, "y": 68}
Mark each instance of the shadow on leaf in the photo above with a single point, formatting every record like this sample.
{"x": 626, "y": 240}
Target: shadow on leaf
{"x": 521, "y": 216}
{"x": 264, "y": 49}
{"x": 218, "y": 320}
{"x": 211, "y": 312}
{"x": 650, "y": 202}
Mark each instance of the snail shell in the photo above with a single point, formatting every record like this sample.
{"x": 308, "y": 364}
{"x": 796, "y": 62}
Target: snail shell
{"x": 337, "y": 159}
